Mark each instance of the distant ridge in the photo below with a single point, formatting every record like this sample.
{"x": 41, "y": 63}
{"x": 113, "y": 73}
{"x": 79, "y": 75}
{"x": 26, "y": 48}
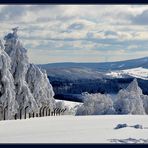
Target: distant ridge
{"x": 101, "y": 66}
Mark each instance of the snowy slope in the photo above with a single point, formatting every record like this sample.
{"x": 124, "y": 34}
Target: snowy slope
{"x": 72, "y": 129}
{"x": 135, "y": 72}
{"x": 74, "y": 71}
{"x": 70, "y": 103}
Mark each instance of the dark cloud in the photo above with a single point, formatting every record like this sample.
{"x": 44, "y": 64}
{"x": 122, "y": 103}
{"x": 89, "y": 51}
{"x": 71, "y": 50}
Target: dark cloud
{"x": 43, "y": 19}
{"x": 110, "y": 33}
{"x": 90, "y": 35}
{"x": 141, "y": 19}
{"x": 76, "y": 26}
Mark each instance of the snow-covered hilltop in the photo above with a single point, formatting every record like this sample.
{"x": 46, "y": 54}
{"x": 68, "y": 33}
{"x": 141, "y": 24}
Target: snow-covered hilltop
{"x": 139, "y": 72}
{"x": 21, "y": 84}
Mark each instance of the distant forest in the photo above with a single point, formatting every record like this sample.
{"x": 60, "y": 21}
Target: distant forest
{"x": 103, "y": 85}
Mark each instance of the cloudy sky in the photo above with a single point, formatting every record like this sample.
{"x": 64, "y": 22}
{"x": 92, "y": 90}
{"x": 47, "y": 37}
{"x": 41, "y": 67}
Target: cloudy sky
{"x": 79, "y": 33}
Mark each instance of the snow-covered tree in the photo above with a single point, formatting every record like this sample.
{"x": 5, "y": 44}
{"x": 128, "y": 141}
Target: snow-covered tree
{"x": 129, "y": 100}
{"x": 21, "y": 84}
{"x": 95, "y": 104}
{"x": 40, "y": 86}
{"x": 7, "y": 88}
{"x": 19, "y": 67}
{"x": 145, "y": 103}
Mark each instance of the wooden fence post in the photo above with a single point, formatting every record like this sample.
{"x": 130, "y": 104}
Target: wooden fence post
{"x": 15, "y": 116}
{"x": 54, "y": 112}
{"x": 25, "y": 111}
{"x": 49, "y": 112}
{"x": 40, "y": 113}
{"x": 44, "y": 110}
{"x": 36, "y": 114}
{"x": 33, "y": 114}
{"x": 64, "y": 110}
{"x": 29, "y": 115}
{"x": 5, "y": 112}
{"x": 59, "y": 111}
{"x": 2, "y": 111}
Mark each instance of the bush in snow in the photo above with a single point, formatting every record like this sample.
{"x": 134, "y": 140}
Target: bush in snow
{"x": 121, "y": 126}
{"x": 129, "y": 100}
{"x": 95, "y": 104}
{"x": 138, "y": 126}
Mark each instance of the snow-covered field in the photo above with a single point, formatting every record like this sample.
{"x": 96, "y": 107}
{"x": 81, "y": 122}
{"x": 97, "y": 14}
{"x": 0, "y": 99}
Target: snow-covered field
{"x": 70, "y": 104}
{"x": 135, "y": 72}
{"x": 138, "y": 72}
{"x": 75, "y": 129}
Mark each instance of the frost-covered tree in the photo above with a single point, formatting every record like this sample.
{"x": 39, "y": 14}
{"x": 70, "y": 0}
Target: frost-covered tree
{"x": 40, "y": 86}
{"x": 145, "y": 103}
{"x": 95, "y": 104}
{"x": 19, "y": 67}
{"x": 129, "y": 100}
{"x": 7, "y": 88}
{"x": 21, "y": 84}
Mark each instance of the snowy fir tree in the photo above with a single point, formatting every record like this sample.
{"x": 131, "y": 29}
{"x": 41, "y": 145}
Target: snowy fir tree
{"x": 21, "y": 83}
{"x": 7, "y": 88}
{"x": 145, "y": 103}
{"x": 40, "y": 87}
{"x": 129, "y": 100}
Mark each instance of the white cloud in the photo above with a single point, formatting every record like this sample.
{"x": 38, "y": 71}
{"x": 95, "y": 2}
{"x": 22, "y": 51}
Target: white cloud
{"x": 77, "y": 32}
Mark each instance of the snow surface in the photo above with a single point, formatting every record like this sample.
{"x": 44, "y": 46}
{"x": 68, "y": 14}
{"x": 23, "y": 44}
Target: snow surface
{"x": 135, "y": 72}
{"x": 75, "y": 129}
{"x": 70, "y": 103}
{"x": 70, "y": 106}
{"x": 138, "y": 72}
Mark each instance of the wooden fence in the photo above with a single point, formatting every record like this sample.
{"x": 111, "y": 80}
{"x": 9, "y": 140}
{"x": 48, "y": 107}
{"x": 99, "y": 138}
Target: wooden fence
{"x": 23, "y": 114}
